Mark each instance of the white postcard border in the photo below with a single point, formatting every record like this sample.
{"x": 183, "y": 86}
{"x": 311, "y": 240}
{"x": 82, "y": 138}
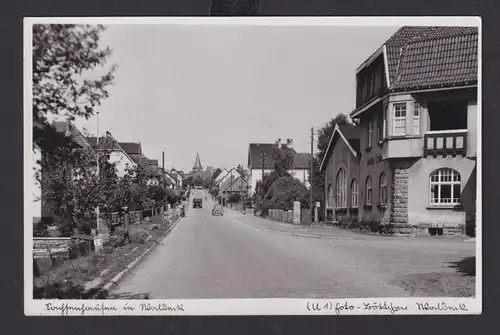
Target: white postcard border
{"x": 272, "y": 306}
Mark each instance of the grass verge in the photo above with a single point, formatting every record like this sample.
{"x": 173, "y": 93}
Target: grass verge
{"x": 81, "y": 278}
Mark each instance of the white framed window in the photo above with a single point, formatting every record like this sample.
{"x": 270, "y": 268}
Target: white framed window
{"x": 341, "y": 189}
{"x": 445, "y": 187}
{"x": 400, "y": 118}
{"x": 370, "y": 133}
{"x": 383, "y": 189}
{"x": 368, "y": 200}
{"x": 416, "y": 118}
{"x": 330, "y": 196}
{"x": 385, "y": 122}
{"x": 354, "y": 193}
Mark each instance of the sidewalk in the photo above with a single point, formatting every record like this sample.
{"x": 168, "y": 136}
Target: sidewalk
{"x": 322, "y": 230}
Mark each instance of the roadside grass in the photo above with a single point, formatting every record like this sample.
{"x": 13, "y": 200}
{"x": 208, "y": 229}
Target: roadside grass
{"x": 70, "y": 279}
{"x": 458, "y": 283}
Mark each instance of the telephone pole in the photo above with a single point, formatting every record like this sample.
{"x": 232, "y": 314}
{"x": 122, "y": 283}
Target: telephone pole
{"x": 263, "y": 159}
{"x": 311, "y": 179}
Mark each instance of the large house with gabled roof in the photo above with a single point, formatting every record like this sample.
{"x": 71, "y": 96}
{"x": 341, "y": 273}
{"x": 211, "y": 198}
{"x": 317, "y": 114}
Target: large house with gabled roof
{"x": 261, "y": 162}
{"x": 416, "y": 112}
{"x": 50, "y": 136}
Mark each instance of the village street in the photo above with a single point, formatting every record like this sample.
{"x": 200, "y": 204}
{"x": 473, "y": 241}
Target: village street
{"x": 235, "y": 256}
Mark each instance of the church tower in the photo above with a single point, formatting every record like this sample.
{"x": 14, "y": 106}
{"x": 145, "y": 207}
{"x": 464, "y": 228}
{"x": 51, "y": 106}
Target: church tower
{"x": 197, "y": 164}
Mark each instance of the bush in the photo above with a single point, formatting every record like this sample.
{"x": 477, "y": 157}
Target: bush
{"x": 234, "y": 198}
{"x": 282, "y": 193}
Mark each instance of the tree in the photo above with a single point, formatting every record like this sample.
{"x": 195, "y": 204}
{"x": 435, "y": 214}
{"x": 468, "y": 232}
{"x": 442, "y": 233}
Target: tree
{"x": 324, "y": 134}
{"x": 70, "y": 186}
{"x": 234, "y": 198}
{"x": 283, "y": 192}
{"x": 63, "y": 57}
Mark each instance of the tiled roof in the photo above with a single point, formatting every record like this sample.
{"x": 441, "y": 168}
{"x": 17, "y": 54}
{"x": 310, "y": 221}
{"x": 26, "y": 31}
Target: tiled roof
{"x": 446, "y": 57}
{"x": 256, "y": 149}
{"x": 66, "y": 127}
{"x": 432, "y": 56}
{"x": 302, "y": 161}
{"x": 131, "y": 147}
{"x": 104, "y": 143}
{"x": 153, "y": 162}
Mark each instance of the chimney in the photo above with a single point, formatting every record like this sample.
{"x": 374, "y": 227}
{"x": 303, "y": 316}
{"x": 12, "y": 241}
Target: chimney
{"x": 163, "y": 160}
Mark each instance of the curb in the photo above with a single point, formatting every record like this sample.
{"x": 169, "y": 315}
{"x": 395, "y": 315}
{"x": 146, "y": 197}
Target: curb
{"x": 112, "y": 283}
{"x": 296, "y": 234}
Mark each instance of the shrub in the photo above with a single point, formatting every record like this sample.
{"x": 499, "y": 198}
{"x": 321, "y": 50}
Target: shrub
{"x": 282, "y": 193}
{"x": 234, "y": 198}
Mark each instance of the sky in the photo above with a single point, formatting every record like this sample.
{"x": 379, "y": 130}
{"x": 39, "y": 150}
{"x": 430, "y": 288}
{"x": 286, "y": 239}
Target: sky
{"x": 184, "y": 89}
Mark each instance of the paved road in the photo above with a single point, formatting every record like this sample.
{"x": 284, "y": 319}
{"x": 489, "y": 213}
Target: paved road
{"x": 227, "y": 257}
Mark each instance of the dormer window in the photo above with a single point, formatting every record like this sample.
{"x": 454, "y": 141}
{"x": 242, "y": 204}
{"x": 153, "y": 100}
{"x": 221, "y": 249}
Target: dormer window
{"x": 400, "y": 118}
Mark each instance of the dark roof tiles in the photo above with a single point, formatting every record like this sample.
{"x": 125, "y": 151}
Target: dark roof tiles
{"x": 301, "y": 160}
{"x": 432, "y": 56}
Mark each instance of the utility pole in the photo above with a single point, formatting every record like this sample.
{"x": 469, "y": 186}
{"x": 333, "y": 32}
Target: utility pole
{"x": 98, "y": 171}
{"x": 311, "y": 178}
{"x": 263, "y": 159}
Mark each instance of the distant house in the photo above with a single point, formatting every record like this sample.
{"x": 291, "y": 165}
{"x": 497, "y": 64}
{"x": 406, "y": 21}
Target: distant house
{"x": 261, "y": 161}
{"x": 340, "y": 167}
{"x": 116, "y": 154}
{"x": 221, "y": 176}
{"x": 416, "y": 110}
{"x": 233, "y": 182}
{"x": 179, "y": 177}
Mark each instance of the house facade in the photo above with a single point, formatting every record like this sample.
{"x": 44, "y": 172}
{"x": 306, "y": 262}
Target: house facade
{"x": 416, "y": 111}
{"x": 340, "y": 167}
{"x": 58, "y": 133}
{"x": 233, "y": 182}
{"x": 262, "y": 163}
{"x": 116, "y": 154}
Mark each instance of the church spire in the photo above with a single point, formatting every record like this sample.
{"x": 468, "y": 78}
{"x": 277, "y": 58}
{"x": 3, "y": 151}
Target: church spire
{"x": 197, "y": 163}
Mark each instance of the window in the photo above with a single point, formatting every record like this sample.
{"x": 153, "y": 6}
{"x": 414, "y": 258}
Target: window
{"x": 416, "y": 119}
{"x": 354, "y": 193}
{"x": 400, "y": 118}
{"x": 370, "y": 133}
{"x": 385, "y": 123}
{"x": 445, "y": 187}
{"x": 330, "y": 199}
{"x": 368, "y": 190}
{"x": 383, "y": 189}
{"x": 341, "y": 189}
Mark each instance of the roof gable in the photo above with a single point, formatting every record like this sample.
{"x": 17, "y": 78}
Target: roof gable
{"x": 131, "y": 147}
{"x": 349, "y": 134}
{"x": 72, "y": 131}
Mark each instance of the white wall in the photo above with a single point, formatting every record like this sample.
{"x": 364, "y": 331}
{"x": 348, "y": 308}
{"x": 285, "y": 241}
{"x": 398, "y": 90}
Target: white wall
{"x": 36, "y": 207}
{"x": 256, "y": 175}
{"x": 121, "y": 161}
{"x": 472, "y": 112}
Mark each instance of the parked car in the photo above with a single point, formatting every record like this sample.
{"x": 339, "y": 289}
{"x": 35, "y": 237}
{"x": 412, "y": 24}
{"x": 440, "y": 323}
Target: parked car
{"x": 197, "y": 203}
{"x": 217, "y": 210}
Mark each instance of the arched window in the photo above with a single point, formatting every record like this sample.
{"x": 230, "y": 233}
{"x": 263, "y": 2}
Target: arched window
{"x": 354, "y": 193}
{"x": 445, "y": 187}
{"x": 341, "y": 187}
{"x": 383, "y": 189}
{"x": 330, "y": 198}
{"x": 368, "y": 190}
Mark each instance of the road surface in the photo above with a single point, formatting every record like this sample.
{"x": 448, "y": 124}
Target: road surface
{"x": 227, "y": 257}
